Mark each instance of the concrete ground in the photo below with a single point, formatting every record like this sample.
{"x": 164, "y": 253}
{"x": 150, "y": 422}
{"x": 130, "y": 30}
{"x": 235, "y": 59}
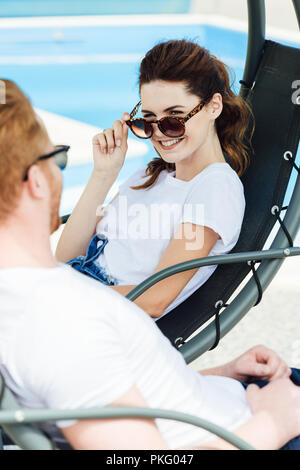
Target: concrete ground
{"x": 274, "y": 322}
{"x": 279, "y": 13}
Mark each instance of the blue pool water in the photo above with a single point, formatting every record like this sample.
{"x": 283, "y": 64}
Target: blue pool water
{"x": 97, "y": 93}
{"x": 90, "y": 73}
{"x": 90, "y": 7}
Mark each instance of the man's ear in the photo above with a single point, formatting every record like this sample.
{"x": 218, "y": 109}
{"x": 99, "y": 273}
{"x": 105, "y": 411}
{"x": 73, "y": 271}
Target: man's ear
{"x": 36, "y": 182}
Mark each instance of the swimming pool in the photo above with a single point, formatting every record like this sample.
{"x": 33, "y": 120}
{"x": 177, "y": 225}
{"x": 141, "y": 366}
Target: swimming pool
{"x": 90, "y": 7}
{"x": 89, "y": 72}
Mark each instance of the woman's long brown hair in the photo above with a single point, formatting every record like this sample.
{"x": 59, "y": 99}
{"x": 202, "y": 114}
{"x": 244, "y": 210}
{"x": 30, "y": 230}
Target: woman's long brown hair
{"x": 203, "y": 75}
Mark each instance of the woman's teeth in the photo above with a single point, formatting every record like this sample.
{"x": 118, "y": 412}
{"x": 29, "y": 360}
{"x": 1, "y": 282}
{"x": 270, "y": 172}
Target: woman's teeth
{"x": 170, "y": 143}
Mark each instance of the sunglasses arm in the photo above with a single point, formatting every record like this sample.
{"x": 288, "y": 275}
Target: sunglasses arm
{"x": 135, "y": 110}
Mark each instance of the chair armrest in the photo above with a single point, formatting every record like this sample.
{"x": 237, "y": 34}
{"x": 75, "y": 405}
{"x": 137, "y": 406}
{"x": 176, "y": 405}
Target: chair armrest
{"x": 210, "y": 261}
{"x": 23, "y": 416}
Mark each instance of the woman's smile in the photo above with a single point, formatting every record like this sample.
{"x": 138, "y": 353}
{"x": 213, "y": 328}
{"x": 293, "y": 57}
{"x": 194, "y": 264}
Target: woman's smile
{"x": 170, "y": 144}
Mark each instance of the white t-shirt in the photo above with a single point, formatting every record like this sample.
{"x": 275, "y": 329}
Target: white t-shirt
{"x": 67, "y": 342}
{"x": 139, "y": 224}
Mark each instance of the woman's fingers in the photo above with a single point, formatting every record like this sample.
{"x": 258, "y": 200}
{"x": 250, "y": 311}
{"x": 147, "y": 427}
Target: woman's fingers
{"x": 118, "y": 133}
{"x": 99, "y": 140}
{"x": 282, "y": 371}
{"x": 125, "y": 131}
{"x": 109, "y": 135}
{"x": 125, "y": 117}
{"x": 277, "y": 367}
{"x": 274, "y": 362}
{"x": 110, "y": 139}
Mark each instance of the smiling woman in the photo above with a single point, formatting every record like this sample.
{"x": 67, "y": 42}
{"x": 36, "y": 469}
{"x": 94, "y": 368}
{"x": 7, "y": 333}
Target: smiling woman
{"x": 196, "y": 125}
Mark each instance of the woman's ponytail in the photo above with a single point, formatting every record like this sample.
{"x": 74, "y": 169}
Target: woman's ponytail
{"x": 232, "y": 124}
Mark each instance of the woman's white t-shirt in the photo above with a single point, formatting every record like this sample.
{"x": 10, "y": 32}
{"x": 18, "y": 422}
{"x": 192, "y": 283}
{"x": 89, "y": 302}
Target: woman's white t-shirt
{"x": 139, "y": 224}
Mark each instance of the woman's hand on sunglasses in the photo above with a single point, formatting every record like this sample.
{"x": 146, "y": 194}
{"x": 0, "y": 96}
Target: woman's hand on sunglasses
{"x": 110, "y": 147}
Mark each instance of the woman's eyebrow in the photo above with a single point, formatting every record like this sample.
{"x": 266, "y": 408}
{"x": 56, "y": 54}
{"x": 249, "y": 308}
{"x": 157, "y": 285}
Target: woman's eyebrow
{"x": 165, "y": 110}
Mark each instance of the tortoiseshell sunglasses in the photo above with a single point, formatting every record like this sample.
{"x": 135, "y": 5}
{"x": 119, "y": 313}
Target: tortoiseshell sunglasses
{"x": 169, "y": 126}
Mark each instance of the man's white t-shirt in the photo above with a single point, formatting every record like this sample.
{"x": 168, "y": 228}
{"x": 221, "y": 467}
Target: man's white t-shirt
{"x": 139, "y": 224}
{"x": 68, "y": 342}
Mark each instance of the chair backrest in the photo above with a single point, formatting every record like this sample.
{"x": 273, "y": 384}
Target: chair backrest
{"x": 277, "y": 121}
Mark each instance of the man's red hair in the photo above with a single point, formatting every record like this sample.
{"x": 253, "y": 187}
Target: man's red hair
{"x": 22, "y": 138}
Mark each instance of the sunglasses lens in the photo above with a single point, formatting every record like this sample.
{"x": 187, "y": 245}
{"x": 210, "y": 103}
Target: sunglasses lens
{"x": 141, "y": 128}
{"x": 171, "y": 127}
{"x": 61, "y": 159}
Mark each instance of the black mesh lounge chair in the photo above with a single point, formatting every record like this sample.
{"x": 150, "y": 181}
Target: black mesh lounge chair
{"x": 270, "y": 71}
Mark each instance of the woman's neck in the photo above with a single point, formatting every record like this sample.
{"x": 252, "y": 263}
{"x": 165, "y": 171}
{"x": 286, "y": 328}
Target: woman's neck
{"x": 204, "y": 156}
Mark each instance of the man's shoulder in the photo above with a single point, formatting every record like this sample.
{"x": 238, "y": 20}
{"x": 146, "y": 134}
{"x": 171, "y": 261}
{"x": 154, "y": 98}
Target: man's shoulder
{"x": 61, "y": 298}
{"x": 73, "y": 289}
{"x": 77, "y": 296}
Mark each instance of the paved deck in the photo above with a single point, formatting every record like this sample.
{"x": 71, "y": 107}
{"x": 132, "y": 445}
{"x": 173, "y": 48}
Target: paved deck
{"x": 275, "y": 322}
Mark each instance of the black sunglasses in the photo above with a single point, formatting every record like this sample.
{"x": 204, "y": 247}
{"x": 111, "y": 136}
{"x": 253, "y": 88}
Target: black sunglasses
{"x": 169, "y": 126}
{"x": 61, "y": 158}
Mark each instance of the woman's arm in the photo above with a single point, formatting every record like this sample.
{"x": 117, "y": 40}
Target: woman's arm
{"x": 108, "y": 161}
{"x": 81, "y": 225}
{"x": 189, "y": 242}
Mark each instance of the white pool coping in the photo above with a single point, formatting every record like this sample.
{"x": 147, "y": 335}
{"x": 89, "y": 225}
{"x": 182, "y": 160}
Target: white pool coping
{"x": 144, "y": 20}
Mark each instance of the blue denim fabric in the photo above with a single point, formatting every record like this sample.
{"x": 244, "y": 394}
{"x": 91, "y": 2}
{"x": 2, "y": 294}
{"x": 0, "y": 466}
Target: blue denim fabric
{"x": 87, "y": 265}
{"x": 294, "y": 444}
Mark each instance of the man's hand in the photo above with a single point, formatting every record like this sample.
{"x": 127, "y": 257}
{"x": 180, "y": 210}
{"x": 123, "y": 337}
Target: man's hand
{"x": 275, "y": 417}
{"x": 279, "y": 402}
{"x": 259, "y": 363}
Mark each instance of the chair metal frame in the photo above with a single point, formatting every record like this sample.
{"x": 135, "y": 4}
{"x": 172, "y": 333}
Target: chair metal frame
{"x": 17, "y": 423}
